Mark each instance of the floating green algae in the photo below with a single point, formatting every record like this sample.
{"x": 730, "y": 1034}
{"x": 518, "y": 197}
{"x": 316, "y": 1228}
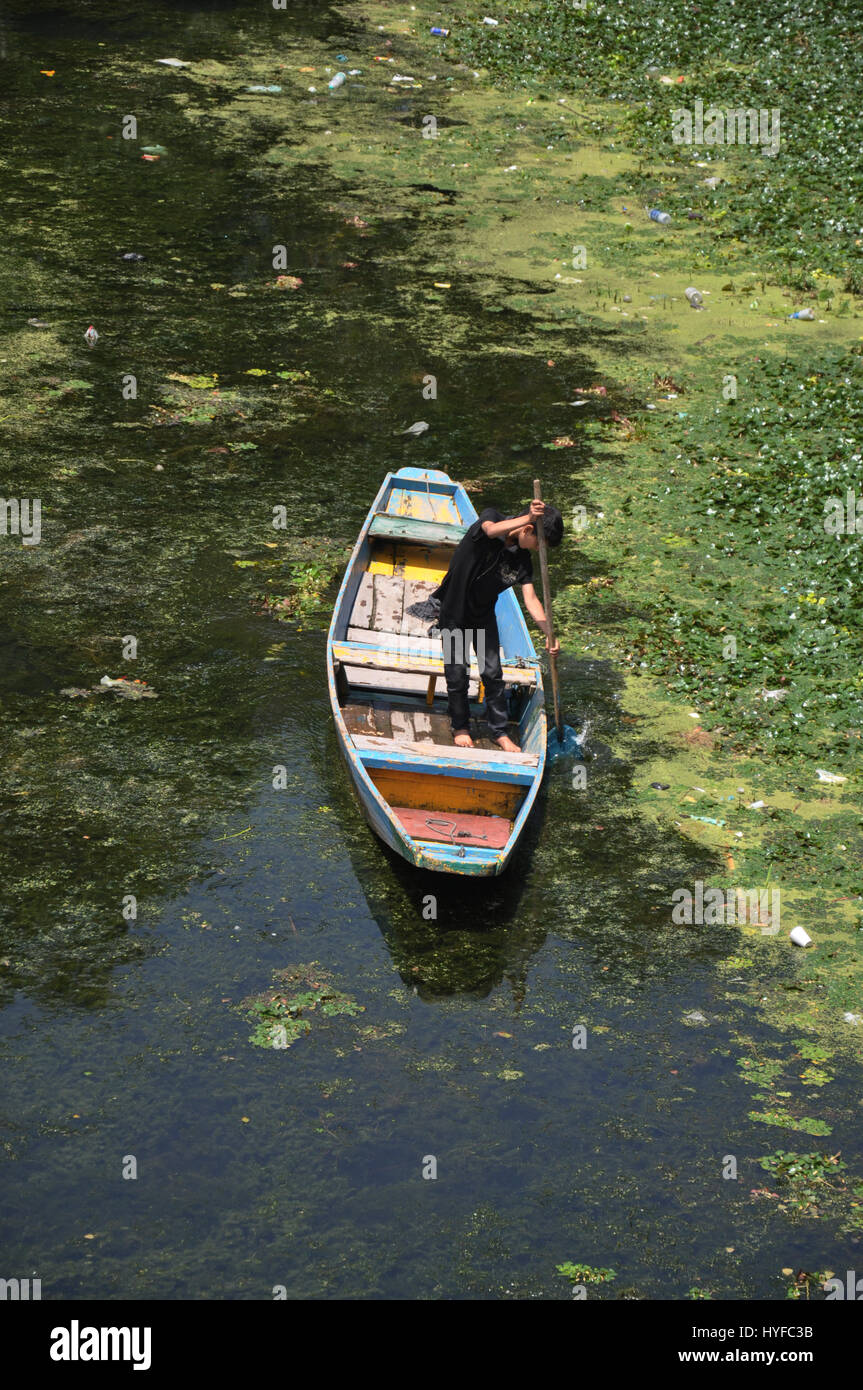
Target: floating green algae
{"x": 585, "y": 1274}
{"x": 807, "y": 1181}
{"x": 281, "y": 1017}
{"x": 804, "y": 1123}
{"x": 146, "y": 779}
{"x": 300, "y": 577}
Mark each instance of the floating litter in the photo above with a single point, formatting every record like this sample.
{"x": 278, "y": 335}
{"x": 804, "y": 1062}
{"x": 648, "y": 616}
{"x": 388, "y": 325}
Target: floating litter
{"x": 570, "y": 744}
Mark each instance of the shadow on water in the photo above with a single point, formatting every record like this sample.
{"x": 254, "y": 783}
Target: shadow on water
{"x": 145, "y": 516}
{"x": 452, "y": 935}
{"x": 447, "y": 935}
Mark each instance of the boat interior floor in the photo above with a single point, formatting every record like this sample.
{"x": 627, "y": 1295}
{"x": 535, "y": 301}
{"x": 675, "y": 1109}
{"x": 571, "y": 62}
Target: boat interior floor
{"x": 413, "y": 723}
{"x": 391, "y": 608}
{"x": 391, "y": 604}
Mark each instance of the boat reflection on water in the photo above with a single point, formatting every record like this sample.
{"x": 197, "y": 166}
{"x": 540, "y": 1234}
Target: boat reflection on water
{"x": 447, "y": 935}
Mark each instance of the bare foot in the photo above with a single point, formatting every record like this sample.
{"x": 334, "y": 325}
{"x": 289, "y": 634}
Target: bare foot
{"x": 506, "y": 744}
{"x": 463, "y": 739}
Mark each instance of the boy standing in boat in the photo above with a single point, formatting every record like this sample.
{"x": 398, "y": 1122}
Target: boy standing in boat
{"x": 493, "y": 555}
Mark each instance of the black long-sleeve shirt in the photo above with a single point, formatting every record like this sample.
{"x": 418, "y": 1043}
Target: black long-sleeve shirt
{"x": 480, "y": 569}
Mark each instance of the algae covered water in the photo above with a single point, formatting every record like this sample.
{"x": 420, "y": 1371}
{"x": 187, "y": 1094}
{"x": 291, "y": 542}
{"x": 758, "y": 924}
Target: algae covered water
{"x": 489, "y": 1081}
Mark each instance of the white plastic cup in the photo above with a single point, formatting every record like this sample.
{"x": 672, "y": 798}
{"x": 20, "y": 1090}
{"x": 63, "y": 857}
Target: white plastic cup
{"x": 800, "y": 937}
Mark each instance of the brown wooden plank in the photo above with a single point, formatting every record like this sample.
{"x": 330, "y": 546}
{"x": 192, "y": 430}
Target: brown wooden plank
{"x": 362, "y": 613}
{"x": 368, "y": 717}
{"x": 429, "y": 725}
{"x": 441, "y": 727}
{"x": 356, "y": 718}
{"x": 455, "y": 827}
{"x": 435, "y": 724}
{"x": 447, "y": 793}
{"x": 389, "y": 602}
{"x": 382, "y": 717}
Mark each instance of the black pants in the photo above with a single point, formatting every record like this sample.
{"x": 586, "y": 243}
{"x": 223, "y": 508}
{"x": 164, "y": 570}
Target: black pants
{"x": 456, "y": 654}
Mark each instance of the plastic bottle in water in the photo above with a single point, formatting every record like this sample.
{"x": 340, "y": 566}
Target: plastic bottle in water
{"x": 803, "y": 314}
{"x": 694, "y": 297}
{"x": 656, "y": 216}
{"x": 338, "y": 81}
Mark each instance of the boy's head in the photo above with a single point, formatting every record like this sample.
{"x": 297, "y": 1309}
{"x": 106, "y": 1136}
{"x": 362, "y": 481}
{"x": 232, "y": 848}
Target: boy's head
{"x": 552, "y": 525}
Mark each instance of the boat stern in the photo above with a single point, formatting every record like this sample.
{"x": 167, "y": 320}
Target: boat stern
{"x": 459, "y": 859}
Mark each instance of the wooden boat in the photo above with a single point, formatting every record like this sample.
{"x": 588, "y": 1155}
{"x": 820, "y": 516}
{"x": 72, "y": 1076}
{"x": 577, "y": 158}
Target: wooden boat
{"x": 457, "y": 810}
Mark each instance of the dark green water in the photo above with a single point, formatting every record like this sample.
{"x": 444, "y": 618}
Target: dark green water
{"x": 301, "y": 1168}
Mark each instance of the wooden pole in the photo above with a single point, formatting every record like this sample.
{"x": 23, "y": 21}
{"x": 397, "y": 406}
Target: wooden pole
{"x": 546, "y": 603}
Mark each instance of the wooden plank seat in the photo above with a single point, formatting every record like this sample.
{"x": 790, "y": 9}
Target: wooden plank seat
{"x": 442, "y": 752}
{"x": 410, "y": 646}
{"x": 490, "y": 832}
{"x": 435, "y": 766}
{"x": 411, "y": 528}
{"x": 406, "y": 642}
{"x": 394, "y": 659}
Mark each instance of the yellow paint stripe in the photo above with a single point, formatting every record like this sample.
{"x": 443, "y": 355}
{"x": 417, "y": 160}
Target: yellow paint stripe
{"x": 423, "y": 561}
{"x": 446, "y": 513}
{"x": 413, "y": 561}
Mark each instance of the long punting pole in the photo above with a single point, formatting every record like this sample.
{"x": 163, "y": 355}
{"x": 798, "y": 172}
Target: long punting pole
{"x": 546, "y": 603}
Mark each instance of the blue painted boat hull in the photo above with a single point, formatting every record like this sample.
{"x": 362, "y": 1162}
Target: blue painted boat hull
{"x": 431, "y": 494}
